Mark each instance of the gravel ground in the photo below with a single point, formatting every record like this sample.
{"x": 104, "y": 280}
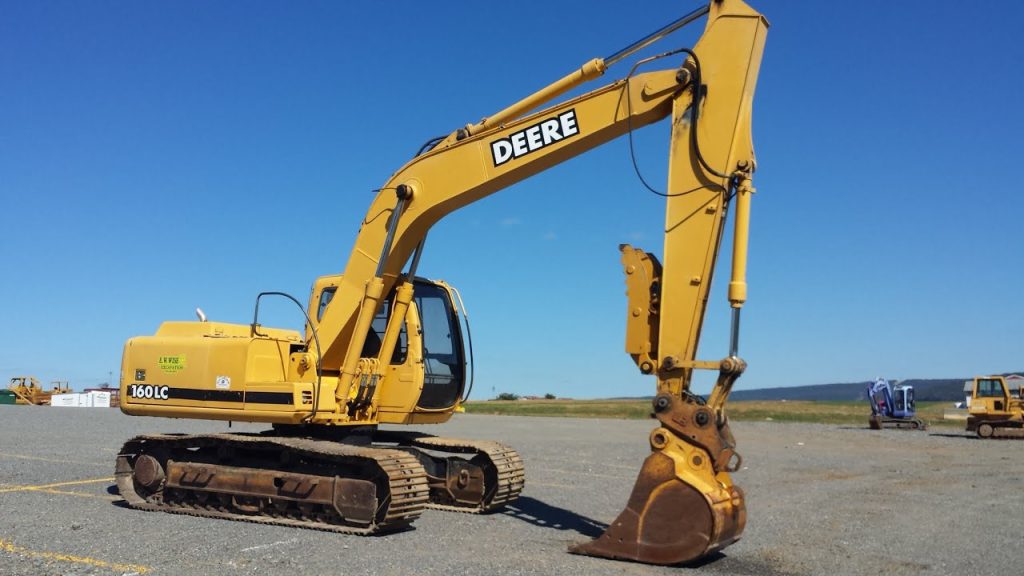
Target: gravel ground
{"x": 820, "y": 500}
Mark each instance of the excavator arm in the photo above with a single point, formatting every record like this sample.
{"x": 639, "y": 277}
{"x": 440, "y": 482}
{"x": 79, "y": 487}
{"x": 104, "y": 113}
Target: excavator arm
{"x": 684, "y": 505}
{"x": 466, "y": 167}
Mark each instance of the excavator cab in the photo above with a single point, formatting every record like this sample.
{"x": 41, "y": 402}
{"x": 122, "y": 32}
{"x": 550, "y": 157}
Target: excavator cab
{"x": 439, "y": 338}
{"x": 903, "y": 402}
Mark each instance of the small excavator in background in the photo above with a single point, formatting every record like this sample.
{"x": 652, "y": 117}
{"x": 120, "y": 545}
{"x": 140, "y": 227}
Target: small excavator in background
{"x": 382, "y": 345}
{"x": 892, "y": 406}
{"x": 995, "y": 412}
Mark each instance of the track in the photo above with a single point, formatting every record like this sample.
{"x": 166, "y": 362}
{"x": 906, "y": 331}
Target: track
{"x": 880, "y": 422}
{"x": 315, "y": 483}
{"x": 274, "y": 480}
{"x": 504, "y": 474}
{"x": 999, "y": 430}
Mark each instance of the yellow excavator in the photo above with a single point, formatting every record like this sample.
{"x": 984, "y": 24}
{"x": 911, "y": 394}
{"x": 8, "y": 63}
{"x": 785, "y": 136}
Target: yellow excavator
{"x": 382, "y": 345}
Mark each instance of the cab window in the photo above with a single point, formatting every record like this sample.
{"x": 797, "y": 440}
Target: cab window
{"x": 990, "y": 388}
{"x": 371, "y": 349}
{"x": 325, "y": 298}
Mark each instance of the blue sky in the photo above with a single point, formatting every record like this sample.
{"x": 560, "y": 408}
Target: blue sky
{"x": 155, "y": 157}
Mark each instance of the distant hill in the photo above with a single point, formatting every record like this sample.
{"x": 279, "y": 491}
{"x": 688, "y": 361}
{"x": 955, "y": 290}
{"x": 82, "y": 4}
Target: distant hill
{"x": 926, "y": 390}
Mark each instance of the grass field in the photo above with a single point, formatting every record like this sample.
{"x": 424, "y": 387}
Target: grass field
{"x": 855, "y": 413}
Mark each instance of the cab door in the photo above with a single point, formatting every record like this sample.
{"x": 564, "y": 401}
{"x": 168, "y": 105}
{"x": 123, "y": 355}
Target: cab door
{"x": 444, "y": 359}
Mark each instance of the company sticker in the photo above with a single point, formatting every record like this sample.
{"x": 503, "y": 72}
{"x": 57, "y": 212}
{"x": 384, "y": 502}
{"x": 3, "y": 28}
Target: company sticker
{"x": 171, "y": 364}
{"x": 223, "y": 382}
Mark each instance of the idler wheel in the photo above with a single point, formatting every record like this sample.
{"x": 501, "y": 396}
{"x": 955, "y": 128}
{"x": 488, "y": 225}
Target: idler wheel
{"x": 148, "y": 472}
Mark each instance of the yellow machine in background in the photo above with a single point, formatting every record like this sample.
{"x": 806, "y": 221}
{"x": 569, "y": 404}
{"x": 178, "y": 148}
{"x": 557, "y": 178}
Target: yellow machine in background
{"x": 28, "y": 390}
{"x": 995, "y": 412}
{"x": 382, "y": 345}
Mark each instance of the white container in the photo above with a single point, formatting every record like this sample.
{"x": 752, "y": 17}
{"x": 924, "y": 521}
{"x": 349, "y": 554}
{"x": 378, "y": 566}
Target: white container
{"x": 100, "y": 399}
{"x": 64, "y": 400}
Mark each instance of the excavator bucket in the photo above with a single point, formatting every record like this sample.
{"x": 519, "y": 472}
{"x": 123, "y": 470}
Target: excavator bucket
{"x": 684, "y": 505}
{"x": 669, "y": 521}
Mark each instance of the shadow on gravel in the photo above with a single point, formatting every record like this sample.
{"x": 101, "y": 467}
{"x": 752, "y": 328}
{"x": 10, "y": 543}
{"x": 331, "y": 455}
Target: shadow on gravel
{"x": 113, "y": 491}
{"x": 545, "y": 515}
{"x": 749, "y": 567}
{"x": 961, "y": 435}
{"x": 706, "y": 560}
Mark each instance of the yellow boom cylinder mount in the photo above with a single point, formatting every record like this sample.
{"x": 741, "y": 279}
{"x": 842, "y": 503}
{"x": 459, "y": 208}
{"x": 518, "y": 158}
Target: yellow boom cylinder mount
{"x": 587, "y": 72}
{"x": 370, "y": 304}
{"x": 371, "y": 301}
